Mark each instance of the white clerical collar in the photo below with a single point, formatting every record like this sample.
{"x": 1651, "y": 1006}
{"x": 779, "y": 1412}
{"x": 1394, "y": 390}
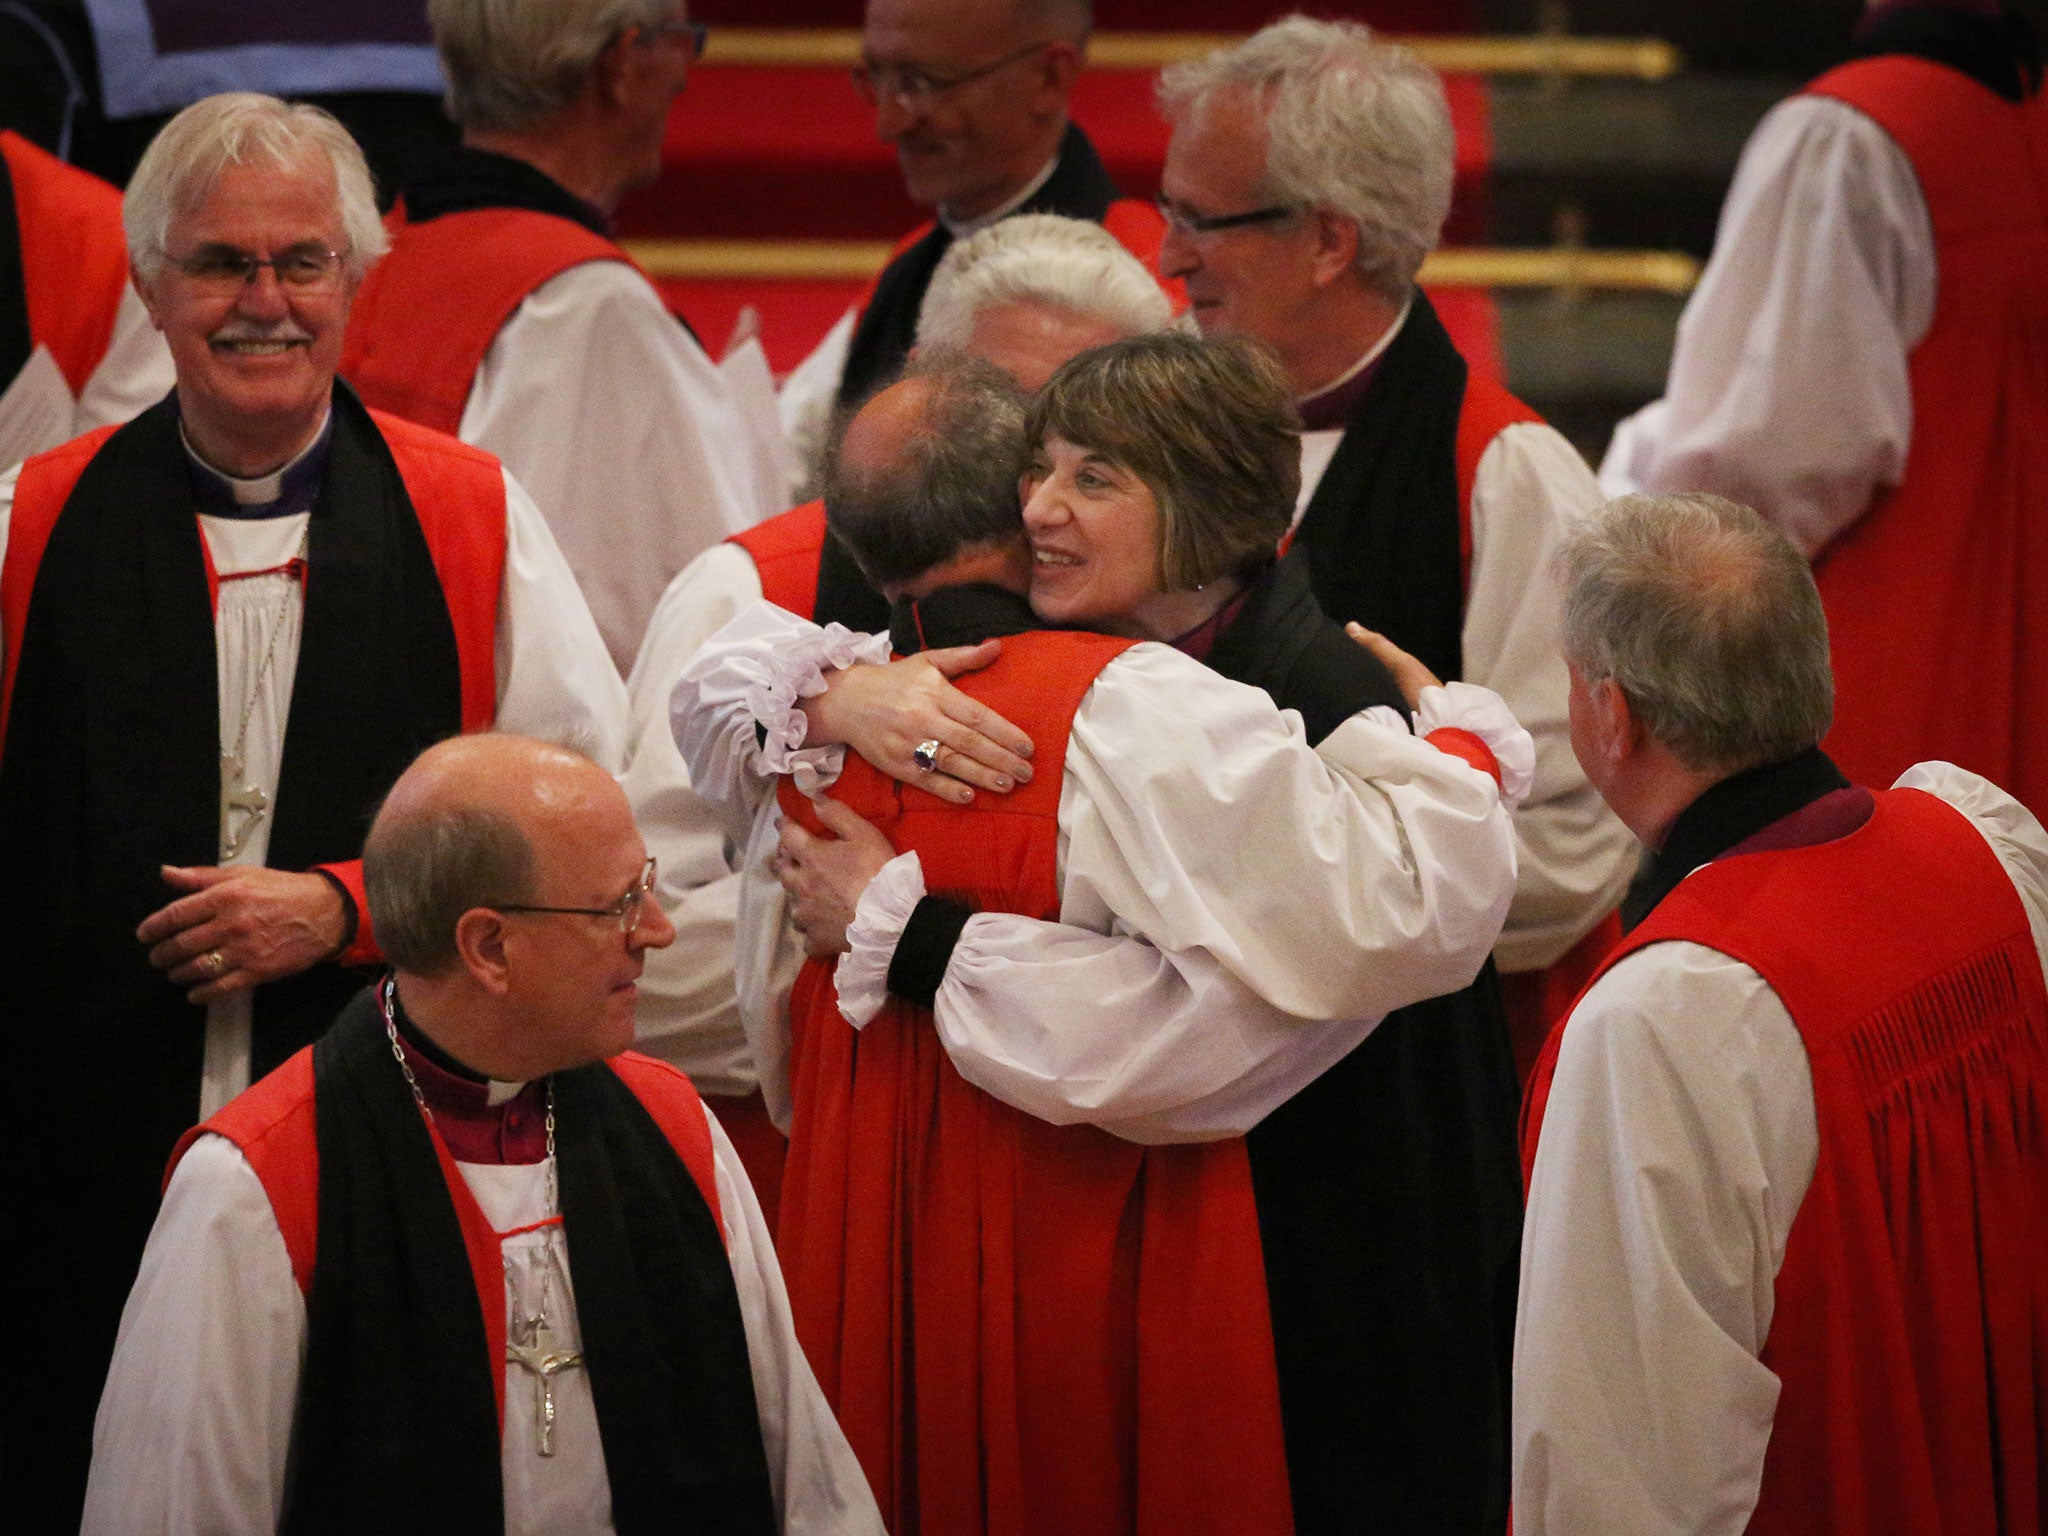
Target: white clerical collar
{"x": 263, "y": 489}
{"x": 1373, "y": 355}
{"x": 960, "y": 229}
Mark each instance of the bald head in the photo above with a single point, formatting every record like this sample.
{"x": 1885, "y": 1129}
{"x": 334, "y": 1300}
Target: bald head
{"x": 928, "y": 468}
{"x": 471, "y": 824}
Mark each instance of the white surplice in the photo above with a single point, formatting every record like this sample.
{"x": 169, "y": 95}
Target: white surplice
{"x": 1574, "y": 858}
{"x": 1250, "y": 905}
{"x": 641, "y": 451}
{"x": 1677, "y": 1146}
{"x": 554, "y": 679}
{"x": 1789, "y": 389}
{"x": 195, "y": 1426}
{"x": 38, "y": 412}
{"x": 691, "y": 999}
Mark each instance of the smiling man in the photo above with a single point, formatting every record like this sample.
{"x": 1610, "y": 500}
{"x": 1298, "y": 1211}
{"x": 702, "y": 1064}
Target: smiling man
{"x": 973, "y": 95}
{"x": 225, "y": 629}
{"x": 620, "y": 1357}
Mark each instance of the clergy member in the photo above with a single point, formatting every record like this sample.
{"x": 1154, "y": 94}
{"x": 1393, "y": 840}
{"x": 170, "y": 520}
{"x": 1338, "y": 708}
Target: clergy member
{"x": 77, "y": 350}
{"x": 973, "y": 94}
{"x": 1024, "y": 294}
{"x": 507, "y": 314}
{"x": 225, "y": 629}
{"x": 467, "y": 1264}
{"x": 1123, "y": 1377}
{"x": 1308, "y": 176}
{"x": 1786, "y": 1260}
{"x": 1865, "y": 362}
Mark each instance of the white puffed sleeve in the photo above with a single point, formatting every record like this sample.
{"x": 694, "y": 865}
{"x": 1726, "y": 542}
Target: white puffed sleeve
{"x": 1789, "y": 388}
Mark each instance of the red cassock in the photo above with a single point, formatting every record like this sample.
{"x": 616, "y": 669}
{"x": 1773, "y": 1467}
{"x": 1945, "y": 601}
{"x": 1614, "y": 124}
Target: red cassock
{"x": 1937, "y": 600}
{"x": 1910, "y": 1330}
{"x": 74, "y": 257}
{"x": 1025, "y": 1329}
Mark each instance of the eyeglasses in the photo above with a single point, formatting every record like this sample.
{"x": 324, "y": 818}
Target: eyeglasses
{"x": 306, "y": 268}
{"x": 695, "y": 31}
{"x": 913, "y": 89}
{"x": 625, "y": 911}
{"x": 1179, "y": 220}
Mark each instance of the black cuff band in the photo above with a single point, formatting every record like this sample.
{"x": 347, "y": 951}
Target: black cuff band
{"x": 926, "y": 949}
{"x": 351, "y": 919}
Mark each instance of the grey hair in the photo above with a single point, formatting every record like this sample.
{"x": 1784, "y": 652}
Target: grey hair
{"x": 1353, "y": 124}
{"x": 952, "y": 488}
{"x": 423, "y": 869}
{"x": 192, "y": 150}
{"x": 1040, "y": 258}
{"x": 511, "y": 63}
{"x": 1708, "y": 619}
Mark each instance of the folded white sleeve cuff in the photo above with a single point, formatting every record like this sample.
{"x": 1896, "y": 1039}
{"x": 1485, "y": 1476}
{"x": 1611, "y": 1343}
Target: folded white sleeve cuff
{"x": 797, "y": 671}
{"x": 862, "y": 975}
{"x": 1469, "y": 707}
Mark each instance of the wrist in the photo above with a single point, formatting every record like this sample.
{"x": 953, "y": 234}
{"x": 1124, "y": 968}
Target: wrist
{"x": 347, "y": 919}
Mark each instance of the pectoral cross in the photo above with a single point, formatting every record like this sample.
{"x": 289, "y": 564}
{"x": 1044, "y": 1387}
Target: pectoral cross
{"x": 532, "y": 1345}
{"x": 238, "y": 794}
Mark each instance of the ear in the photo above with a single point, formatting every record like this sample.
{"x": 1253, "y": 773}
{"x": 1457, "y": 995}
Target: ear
{"x": 611, "y": 74}
{"x": 480, "y": 941}
{"x": 1618, "y": 733}
{"x": 1336, "y": 245}
{"x": 145, "y": 290}
{"x": 1060, "y": 68}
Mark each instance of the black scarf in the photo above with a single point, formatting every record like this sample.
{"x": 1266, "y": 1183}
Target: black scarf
{"x": 462, "y": 179}
{"x": 2001, "y": 53}
{"x": 16, "y": 343}
{"x": 397, "y": 1422}
{"x": 1283, "y": 642}
{"x": 1382, "y": 529}
{"x": 1730, "y": 812}
{"x": 1389, "y": 1196}
{"x": 110, "y": 768}
{"x": 1078, "y": 188}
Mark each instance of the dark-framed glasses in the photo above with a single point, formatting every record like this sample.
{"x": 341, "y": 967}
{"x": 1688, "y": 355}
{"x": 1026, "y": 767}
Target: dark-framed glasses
{"x": 625, "y": 911}
{"x": 1181, "y": 221}
{"x": 696, "y": 32}
{"x": 305, "y": 267}
{"x": 913, "y": 89}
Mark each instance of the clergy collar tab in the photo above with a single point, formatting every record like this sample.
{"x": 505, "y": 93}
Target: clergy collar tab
{"x": 285, "y": 492}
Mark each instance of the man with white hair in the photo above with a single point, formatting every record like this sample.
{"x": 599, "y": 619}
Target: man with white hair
{"x": 1786, "y": 1260}
{"x": 1025, "y": 294}
{"x": 76, "y": 347}
{"x": 225, "y": 629}
{"x": 507, "y": 314}
{"x": 973, "y": 94}
{"x": 1308, "y": 175}
{"x": 574, "y": 1323}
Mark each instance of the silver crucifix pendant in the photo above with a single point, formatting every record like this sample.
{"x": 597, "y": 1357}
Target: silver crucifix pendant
{"x": 238, "y": 794}
{"x": 532, "y": 1346}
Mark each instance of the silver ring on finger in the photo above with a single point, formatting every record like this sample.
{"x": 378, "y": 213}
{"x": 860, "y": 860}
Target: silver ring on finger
{"x": 213, "y": 962}
{"x": 926, "y": 755}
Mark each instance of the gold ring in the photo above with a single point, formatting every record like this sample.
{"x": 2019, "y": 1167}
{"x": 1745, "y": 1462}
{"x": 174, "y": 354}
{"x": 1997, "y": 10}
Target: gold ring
{"x": 214, "y": 962}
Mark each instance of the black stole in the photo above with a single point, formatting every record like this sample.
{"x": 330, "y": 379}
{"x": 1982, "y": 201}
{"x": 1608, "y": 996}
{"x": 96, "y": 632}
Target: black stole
{"x": 397, "y": 1422}
{"x": 1382, "y": 529}
{"x": 110, "y": 768}
{"x": 1079, "y": 188}
{"x": 2001, "y": 53}
{"x": 1389, "y": 1197}
{"x": 15, "y": 341}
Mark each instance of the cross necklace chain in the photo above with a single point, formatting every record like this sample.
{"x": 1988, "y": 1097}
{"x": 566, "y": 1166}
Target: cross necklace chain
{"x": 239, "y": 795}
{"x": 530, "y": 1341}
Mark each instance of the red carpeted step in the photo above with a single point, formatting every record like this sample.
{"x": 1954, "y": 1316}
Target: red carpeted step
{"x": 791, "y": 153}
{"x": 795, "y": 314}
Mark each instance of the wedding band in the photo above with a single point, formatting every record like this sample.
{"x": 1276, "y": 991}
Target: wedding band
{"x": 926, "y": 755}
{"x": 214, "y": 962}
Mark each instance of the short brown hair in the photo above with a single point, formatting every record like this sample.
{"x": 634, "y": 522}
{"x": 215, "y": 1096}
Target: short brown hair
{"x": 1208, "y": 425}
